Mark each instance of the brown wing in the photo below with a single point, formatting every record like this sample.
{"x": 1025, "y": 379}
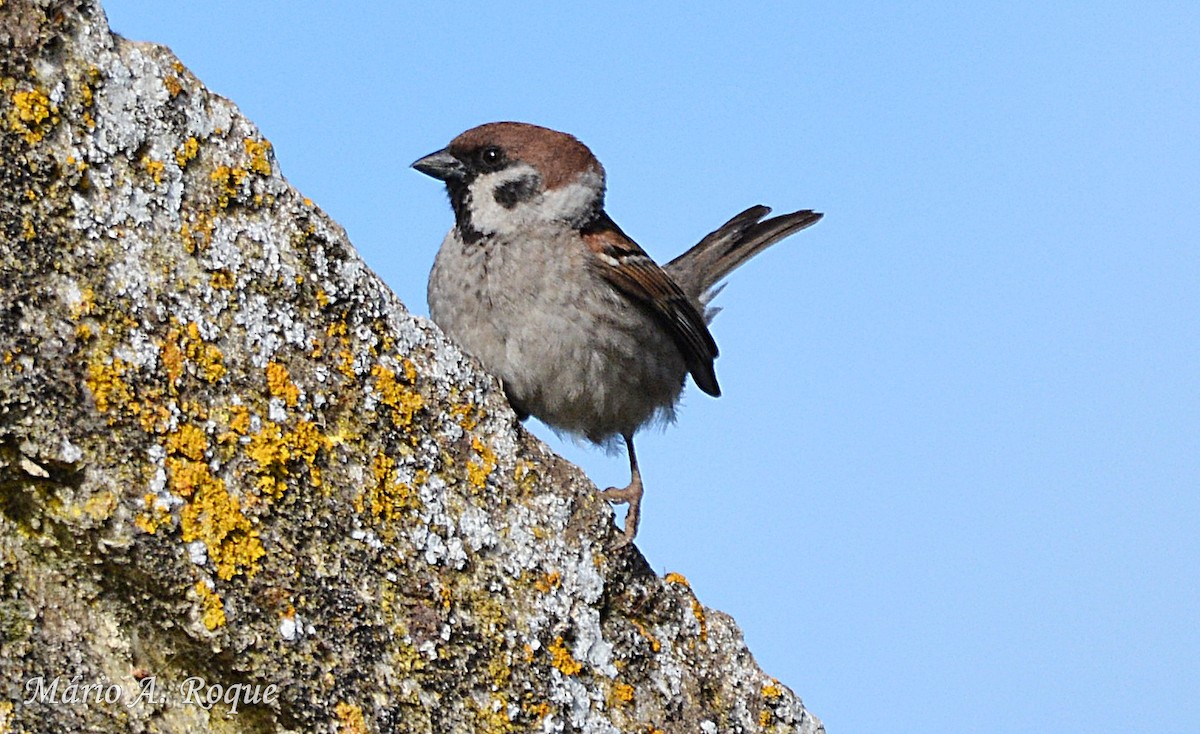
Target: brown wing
{"x": 622, "y": 262}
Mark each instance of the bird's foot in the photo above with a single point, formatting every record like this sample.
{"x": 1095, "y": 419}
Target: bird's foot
{"x": 631, "y": 495}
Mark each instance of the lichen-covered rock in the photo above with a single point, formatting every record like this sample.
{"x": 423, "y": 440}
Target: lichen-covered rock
{"x": 233, "y": 466}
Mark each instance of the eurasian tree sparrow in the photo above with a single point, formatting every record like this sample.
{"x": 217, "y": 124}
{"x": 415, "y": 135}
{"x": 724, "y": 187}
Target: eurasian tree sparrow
{"x": 583, "y": 329}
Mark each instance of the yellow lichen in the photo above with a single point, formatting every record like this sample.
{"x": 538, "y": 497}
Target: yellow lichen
{"x": 189, "y": 442}
{"x": 387, "y": 498}
{"x": 239, "y": 419}
{"x": 229, "y": 181}
{"x": 197, "y": 232}
{"x": 104, "y": 380}
{"x": 269, "y": 450}
{"x": 28, "y": 231}
{"x": 187, "y": 152}
{"x": 155, "y": 515}
{"x": 84, "y": 305}
{"x": 560, "y": 657}
{"x": 350, "y": 719}
{"x": 32, "y": 115}
{"x": 214, "y": 516}
{"x": 154, "y": 168}
{"x": 100, "y": 506}
{"x": 467, "y": 414}
{"x": 346, "y": 363}
{"x": 537, "y": 711}
{"x": 478, "y": 471}
{"x": 257, "y": 150}
{"x": 210, "y": 514}
{"x": 221, "y": 279}
{"x": 402, "y": 399}
{"x": 304, "y": 442}
{"x": 772, "y": 691}
{"x": 272, "y": 449}
{"x": 622, "y": 693}
{"x": 174, "y": 87}
{"x": 280, "y": 384}
{"x": 188, "y": 344}
{"x": 214, "y": 611}
{"x": 764, "y": 718}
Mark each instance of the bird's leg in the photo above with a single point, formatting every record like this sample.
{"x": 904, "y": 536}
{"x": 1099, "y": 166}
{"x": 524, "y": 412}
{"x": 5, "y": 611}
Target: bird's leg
{"x": 631, "y": 494}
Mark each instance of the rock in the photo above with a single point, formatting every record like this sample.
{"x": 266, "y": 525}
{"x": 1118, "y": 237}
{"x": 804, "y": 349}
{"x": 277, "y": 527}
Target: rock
{"x": 234, "y": 467}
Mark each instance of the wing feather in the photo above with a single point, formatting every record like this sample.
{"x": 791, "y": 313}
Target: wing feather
{"x": 624, "y": 264}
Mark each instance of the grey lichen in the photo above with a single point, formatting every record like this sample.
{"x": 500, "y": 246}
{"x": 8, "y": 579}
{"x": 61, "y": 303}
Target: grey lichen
{"x": 227, "y": 452}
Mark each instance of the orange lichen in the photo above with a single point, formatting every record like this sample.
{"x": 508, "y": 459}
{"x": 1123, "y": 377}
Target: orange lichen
{"x": 641, "y": 628}
{"x": 185, "y": 345}
{"x": 280, "y": 385}
{"x": 560, "y": 657}
{"x": 387, "y": 497}
{"x": 174, "y": 87}
{"x": 210, "y": 514}
{"x": 468, "y": 415}
{"x": 548, "y": 582}
{"x": 214, "y": 611}
{"x": 697, "y": 608}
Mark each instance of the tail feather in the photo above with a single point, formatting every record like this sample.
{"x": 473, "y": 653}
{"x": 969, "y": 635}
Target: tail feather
{"x": 733, "y": 243}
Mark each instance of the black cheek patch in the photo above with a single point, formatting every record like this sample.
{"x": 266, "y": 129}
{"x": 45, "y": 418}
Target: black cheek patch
{"x": 511, "y": 193}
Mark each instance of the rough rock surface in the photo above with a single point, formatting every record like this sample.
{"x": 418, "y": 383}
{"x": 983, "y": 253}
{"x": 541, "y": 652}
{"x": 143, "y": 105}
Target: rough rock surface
{"x": 229, "y": 454}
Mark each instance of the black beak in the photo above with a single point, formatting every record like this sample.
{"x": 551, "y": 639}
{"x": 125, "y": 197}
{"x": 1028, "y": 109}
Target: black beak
{"x": 442, "y": 166}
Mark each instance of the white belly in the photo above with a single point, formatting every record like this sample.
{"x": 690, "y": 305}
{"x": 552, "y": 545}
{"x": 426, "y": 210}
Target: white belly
{"x": 570, "y": 350}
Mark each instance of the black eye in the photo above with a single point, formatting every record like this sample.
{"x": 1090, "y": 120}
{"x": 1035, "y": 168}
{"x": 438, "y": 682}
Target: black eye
{"x": 491, "y": 158}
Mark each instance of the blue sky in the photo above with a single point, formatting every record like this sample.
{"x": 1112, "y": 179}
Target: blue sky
{"x": 954, "y": 481}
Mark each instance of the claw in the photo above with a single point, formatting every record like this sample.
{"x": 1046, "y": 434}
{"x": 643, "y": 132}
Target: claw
{"x": 630, "y": 494}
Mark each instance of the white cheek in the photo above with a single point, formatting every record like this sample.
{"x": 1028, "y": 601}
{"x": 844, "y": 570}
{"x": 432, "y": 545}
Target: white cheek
{"x": 573, "y": 202}
{"x": 487, "y": 215}
{"x": 568, "y": 203}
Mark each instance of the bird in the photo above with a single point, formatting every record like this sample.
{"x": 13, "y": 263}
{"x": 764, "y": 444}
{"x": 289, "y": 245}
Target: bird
{"x": 583, "y": 329}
